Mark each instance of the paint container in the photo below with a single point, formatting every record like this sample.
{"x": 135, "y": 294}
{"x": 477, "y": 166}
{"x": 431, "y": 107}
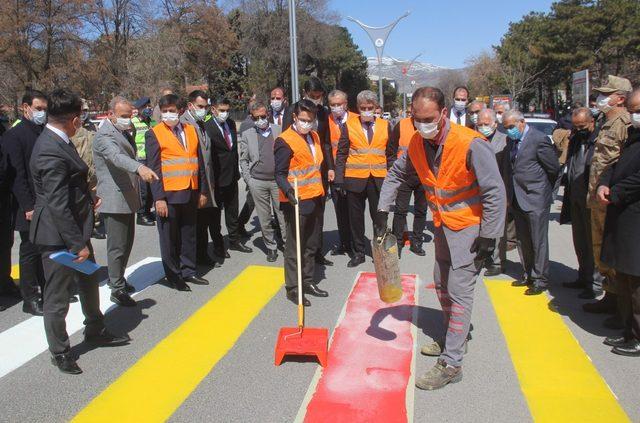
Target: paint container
{"x": 387, "y": 266}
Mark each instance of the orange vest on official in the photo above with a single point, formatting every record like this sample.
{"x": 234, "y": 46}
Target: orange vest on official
{"x": 407, "y": 130}
{"x": 335, "y": 132}
{"x": 303, "y": 165}
{"x": 367, "y": 159}
{"x": 453, "y": 195}
{"x": 179, "y": 165}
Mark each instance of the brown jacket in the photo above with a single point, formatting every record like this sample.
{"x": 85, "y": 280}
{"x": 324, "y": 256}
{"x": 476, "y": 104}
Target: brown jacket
{"x": 83, "y": 141}
{"x": 561, "y": 142}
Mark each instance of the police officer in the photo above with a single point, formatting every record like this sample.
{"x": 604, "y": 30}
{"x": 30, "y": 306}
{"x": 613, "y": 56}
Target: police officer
{"x": 141, "y": 124}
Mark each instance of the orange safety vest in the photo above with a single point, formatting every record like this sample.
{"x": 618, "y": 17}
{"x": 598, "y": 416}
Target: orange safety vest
{"x": 303, "y": 165}
{"x": 406, "y": 133}
{"x": 335, "y": 132}
{"x": 367, "y": 159}
{"x": 453, "y": 195}
{"x": 179, "y": 165}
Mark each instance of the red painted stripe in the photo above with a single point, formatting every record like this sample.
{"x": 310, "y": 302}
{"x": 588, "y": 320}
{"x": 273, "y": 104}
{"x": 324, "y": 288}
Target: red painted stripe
{"x": 369, "y": 359}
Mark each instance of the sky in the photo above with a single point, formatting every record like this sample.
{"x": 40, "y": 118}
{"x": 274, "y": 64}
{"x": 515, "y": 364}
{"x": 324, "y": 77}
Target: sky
{"x": 446, "y": 32}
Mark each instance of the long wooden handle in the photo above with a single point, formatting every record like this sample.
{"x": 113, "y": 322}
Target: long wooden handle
{"x": 298, "y": 256}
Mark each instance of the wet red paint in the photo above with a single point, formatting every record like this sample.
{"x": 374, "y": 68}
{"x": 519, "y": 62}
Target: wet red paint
{"x": 369, "y": 362}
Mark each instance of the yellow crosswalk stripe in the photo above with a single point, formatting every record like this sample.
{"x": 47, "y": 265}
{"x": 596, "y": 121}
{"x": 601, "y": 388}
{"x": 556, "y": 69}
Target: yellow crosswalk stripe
{"x": 561, "y": 384}
{"x": 159, "y": 383}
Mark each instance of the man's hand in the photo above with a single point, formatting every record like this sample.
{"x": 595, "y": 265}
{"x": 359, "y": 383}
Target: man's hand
{"x": 291, "y": 196}
{"x": 202, "y": 201}
{"x": 28, "y": 215}
{"x": 331, "y": 175}
{"x": 483, "y": 247}
{"x": 98, "y": 203}
{"x": 340, "y": 189}
{"x": 161, "y": 208}
{"x": 82, "y": 255}
{"x": 603, "y": 195}
{"x": 147, "y": 174}
{"x": 380, "y": 223}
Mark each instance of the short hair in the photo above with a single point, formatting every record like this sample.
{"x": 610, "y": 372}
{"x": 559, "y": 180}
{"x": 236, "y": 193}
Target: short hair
{"x": 305, "y": 105}
{"x": 516, "y": 114}
{"x": 503, "y": 103}
{"x": 169, "y": 100}
{"x": 63, "y": 105}
{"x": 487, "y": 111}
{"x": 367, "y": 96}
{"x": 284, "y": 94}
{"x": 314, "y": 84}
{"x": 474, "y": 102}
{"x": 193, "y": 95}
{"x": 582, "y": 111}
{"x": 30, "y": 95}
{"x": 222, "y": 100}
{"x": 429, "y": 93}
{"x": 256, "y": 105}
{"x": 337, "y": 93}
{"x": 117, "y": 100}
{"x": 460, "y": 87}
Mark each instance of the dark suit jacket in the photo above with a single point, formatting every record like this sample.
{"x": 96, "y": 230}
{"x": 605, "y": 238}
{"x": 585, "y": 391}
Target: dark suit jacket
{"x": 572, "y": 150}
{"x": 225, "y": 160}
{"x": 63, "y": 215}
{"x": 18, "y": 143}
{"x": 535, "y": 171}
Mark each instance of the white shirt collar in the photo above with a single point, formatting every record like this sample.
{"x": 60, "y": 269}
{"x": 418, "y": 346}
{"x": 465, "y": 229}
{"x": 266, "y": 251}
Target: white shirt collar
{"x": 59, "y": 133}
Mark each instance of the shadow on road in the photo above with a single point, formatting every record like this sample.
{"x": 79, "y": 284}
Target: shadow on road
{"x": 429, "y": 320}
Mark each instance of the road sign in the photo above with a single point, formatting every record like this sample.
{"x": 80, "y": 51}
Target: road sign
{"x": 580, "y": 88}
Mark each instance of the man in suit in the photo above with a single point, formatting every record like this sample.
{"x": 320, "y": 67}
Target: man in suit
{"x": 7, "y": 286}
{"x": 472, "y": 113}
{"x": 208, "y": 217}
{"x": 114, "y": 156}
{"x": 18, "y": 143}
{"x": 224, "y": 155}
{"x": 277, "y": 106}
{"x": 361, "y": 166}
{"x": 459, "y": 110}
{"x": 530, "y": 170}
{"x": 173, "y": 154}
{"x": 63, "y": 220}
{"x": 258, "y": 166}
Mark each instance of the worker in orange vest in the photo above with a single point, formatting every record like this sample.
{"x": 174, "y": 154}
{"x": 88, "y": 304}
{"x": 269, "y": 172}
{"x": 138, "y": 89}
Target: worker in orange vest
{"x": 398, "y": 145}
{"x": 298, "y": 154}
{"x": 361, "y": 166}
{"x": 464, "y": 190}
{"x": 173, "y": 154}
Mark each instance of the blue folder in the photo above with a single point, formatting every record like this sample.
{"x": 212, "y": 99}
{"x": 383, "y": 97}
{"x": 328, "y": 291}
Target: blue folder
{"x": 67, "y": 259}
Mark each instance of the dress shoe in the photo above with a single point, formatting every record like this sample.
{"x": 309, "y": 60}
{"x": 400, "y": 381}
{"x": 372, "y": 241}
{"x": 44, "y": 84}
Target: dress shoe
{"x": 589, "y": 294}
{"x": 2, "y": 308}
{"x": 521, "y": 282}
{"x": 357, "y": 260}
{"x": 104, "y": 338}
{"x": 577, "y": 284}
{"x": 323, "y": 261}
{"x": 98, "y": 234}
{"x": 312, "y": 289}
{"x": 144, "y": 220}
{"x": 535, "y": 290}
{"x": 400, "y": 246}
{"x": 66, "y": 363}
{"x": 73, "y": 299}
{"x": 221, "y": 254}
{"x": 630, "y": 349}
{"x": 205, "y": 261}
{"x": 122, "y": 298}
{"x": 243, "y": 233}
{"x": 33, "y": 306}
{"x": 196, "y": 280}
{"x": 606, "y": 304}
{"x": 129, "y": 288}
{"x": 272, "y": 255}
{"x": 292, "y": 295}
{"x": 238, "y": 246}
{"x": 180, "y": 285}
{"x": 613, "y": 322}
{"x": 615, "y": 341}
{"x": 494, "y": 270}
{"x": 416, "y": 248}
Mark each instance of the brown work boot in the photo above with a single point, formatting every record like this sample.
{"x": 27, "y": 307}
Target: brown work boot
{"x": 439, "y": 376}
{"x": 435, "y": 348}
{"x": 606, "y": 304}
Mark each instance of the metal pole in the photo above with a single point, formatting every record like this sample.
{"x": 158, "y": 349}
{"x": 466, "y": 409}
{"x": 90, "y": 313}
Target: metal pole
{"x": 380, "y": 90}
{"x": 293, "y": 48}
{"x": 405, "y": 77}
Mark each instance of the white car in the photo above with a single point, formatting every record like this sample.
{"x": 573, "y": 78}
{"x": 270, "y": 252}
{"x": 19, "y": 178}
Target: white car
{"x": 542, "y": 124}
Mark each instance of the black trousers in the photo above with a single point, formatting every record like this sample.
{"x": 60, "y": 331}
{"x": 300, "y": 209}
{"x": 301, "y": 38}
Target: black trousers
{"x": 247, "y": 210}
{"x": 629, "y": 301}
{"x": 356, "y": 202}
{"x": 309, "y": 241}
{"x": 178, "y": 240}
{"x": 402, "y": 208}
{"x": 146, "y": 199}
{"x": 6, "y": 242}
{"x": 208, "y": 224}
{"x": 31, "y": 272}
{"x": 227, "y": 200}
{"x": 341, "y": 206}
{"x": 61, "y": 282}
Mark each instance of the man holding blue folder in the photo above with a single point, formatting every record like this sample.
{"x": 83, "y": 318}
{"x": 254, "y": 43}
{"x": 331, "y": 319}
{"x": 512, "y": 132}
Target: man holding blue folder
{"x": 63, "y": 220}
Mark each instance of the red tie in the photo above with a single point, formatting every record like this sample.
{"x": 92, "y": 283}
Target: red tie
{"x": 227, "y": 136}
{"x": 279, "y": 119}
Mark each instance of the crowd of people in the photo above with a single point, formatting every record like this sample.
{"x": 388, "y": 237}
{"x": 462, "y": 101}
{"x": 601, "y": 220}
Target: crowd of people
{"x": 488, "y": 178}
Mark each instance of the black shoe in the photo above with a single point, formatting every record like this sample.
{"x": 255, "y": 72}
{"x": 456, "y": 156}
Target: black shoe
{"x": 494, "y": 270}
{"x": 323, "y": 261}
{"x": 416, "y": 248}
{"x": 98, "y": 234}
{"x": 180, "y": 285}
{"x": 577, "y": 284}
{"x": 66, "y": 363}
{"x": 521, "y": 282}
{"x": 2, "y": 308}
{"x": 615, "y": 341}
{"x": 106, "y": 339}
{"x": 272, "y": 255}
{"x": 535, "y": 290}
{"x": 122, "y": 298}
{"x": 205, "y": 261}
{"x": 400, "y": 246}
{"x": 312, "y": 289}
{"x": 238, "y": 246}
{"x": 73, "y": 299}
{"x": 606, "y": 304}
{"x": 221, "y": 254}
{"x": 630, "y": 349}
{"x": 292, "y": 295}
{"x": 338, "y": 250}
{"x": 33, "y": 306}
{"x": 129, "y": 288}
{"x": 357, "y": 260}
{"x": 144, "y": 220}
{"x": 613, "y": 322}
{"x": 242, "y": 232}
{"x": 196, "y": 280}
{"x": 589, "y": 294}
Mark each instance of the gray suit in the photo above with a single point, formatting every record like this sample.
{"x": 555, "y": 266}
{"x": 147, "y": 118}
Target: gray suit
{"x": 530, "y": 169}
{"x": 114, "y": 156}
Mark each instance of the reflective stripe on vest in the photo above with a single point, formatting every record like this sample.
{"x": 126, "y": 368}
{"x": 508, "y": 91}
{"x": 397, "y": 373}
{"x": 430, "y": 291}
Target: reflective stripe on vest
{"x": 303, "y": 165}
{"x": 407, "y": 130}
{"x": 367, "y": 159}
{"x": 454, "y": 195}
{"x": 179, "y": 165}
{"x": 335, "y": 133}
{"x": 141, "y": 130}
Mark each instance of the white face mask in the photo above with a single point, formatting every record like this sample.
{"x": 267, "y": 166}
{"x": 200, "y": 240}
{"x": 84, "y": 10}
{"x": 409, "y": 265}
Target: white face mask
{"x": 474, "y": 118}
{"x": 377, "y": 115}
{"x": 317, "y": 101}
{"x": 199, "y": 114}
{"x": 337, "y": 111}
{"x": 304, "y": 127}
{"x": 367, "y": 115}
{"x": 428, "y": 131}
{"x": 39, "y": 117}
{"x": 602, "y": 102}
{"x": 499, "y": 117}
{"x": 170, "y": 118}
{"x": 222, "y": 116}
{"x": 635, "y": 120}
{"x": 276, "y": 105}
{"x": 460, "y": 105}
{"x": 123, "y": 123}
{"x": 262, "y": 123}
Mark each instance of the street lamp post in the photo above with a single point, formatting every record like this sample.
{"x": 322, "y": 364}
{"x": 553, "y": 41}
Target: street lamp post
{"x": 293, "y": 49}
{"x": 378, "y": 36}
{"x": 404, "y": 68}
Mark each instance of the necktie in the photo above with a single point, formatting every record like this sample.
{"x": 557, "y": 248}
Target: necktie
{"x": 227, "y": 135}
{"x": 176, "y": 132}
{"x": 280, "y": 119}
{"x": 369, "y": 131}
{"x": 459, "y": 121}
{"x": 514, "y": 150}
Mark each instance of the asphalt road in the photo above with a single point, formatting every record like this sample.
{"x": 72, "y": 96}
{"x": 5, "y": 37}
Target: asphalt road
{"x": 245, "y": 386}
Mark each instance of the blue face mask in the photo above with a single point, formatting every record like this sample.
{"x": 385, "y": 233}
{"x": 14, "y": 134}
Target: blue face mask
{"x": 514, "y": 133}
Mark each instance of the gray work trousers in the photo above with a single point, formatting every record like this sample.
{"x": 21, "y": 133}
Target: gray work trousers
{"x": 581, "y": 232}
{"x": 265, "y": 196}
{"x": 120, "y": 229}
{"x": 455, "y": 288}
